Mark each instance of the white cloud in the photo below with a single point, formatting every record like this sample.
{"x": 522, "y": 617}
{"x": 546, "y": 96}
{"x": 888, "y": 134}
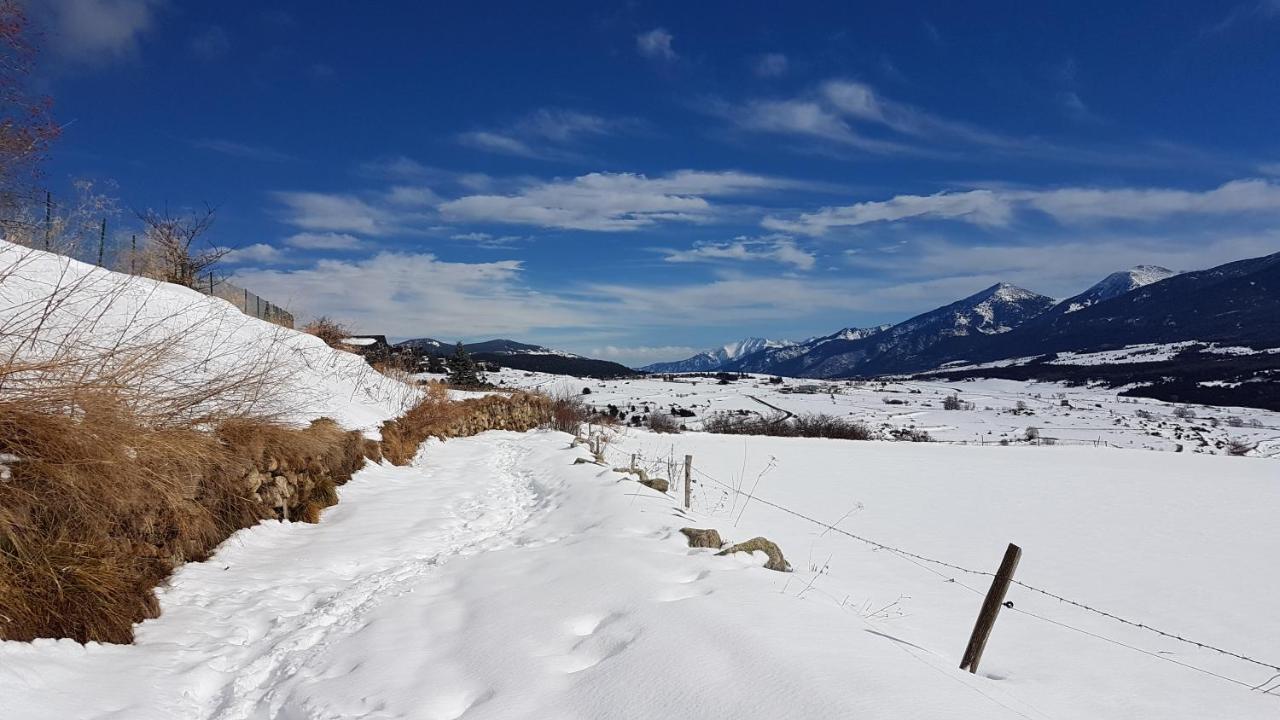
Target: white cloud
{"x": 1066, "y": 205}
{"x": 1060, "y": 267}
{"x": 487, "y": 241}
{"x": 634, "y": 356}
{"x": 414, "y": 295}
{"x": 1085, "y": 204}
{"x": 412, "y": 196}
{"x": 335, "y": 213}
{"x": 782, "y": 250}
{"x": 324, "y": 241}
{"x": 89, "y": 30}
{"x": 546, "y": 133}
{"x": 980, "y": 207}
{"x": 656, "y": 45}
{"x": 611, "y": 202}
{"x": 771, "y": 65}
{"x": 256, "y": 253}
{"x": 805, "y": 118}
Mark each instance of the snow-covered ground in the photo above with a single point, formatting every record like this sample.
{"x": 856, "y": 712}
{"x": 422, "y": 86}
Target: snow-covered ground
{"x": 1090, "y": 416}
{"x": 494, "y": 578}
{"x": 50, "y": 304}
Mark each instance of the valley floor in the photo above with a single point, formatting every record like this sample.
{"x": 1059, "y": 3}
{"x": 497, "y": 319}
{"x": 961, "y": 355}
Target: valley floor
{"x": 996, "y": 411}
{"x": 495, "y": 578}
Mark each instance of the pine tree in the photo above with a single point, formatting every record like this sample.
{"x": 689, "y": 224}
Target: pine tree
{"x": 462, "y": 369}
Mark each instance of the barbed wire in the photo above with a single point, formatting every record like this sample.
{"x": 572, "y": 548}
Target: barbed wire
{"x": 984, "y": 573}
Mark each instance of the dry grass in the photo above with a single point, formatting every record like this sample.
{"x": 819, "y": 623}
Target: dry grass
{"x": 438, "y": 416}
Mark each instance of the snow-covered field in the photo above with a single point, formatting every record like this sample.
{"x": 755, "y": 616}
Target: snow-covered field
{"x": 1002, "y": 409}
{"x": 496, "y": 579}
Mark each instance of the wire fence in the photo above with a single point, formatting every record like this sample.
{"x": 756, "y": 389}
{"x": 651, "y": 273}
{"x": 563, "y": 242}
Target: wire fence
{"x": 247, "y": 302}
{"x": 1270, "y": 686}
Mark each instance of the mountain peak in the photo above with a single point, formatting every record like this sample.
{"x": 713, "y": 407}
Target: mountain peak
{"x": 1117, "y": 284}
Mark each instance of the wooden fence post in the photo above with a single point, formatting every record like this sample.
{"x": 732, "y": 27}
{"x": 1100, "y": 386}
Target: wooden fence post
{"x": 990, "y": 609}
{"x": 688, "y": 477}
{"x": 633, "y": 461}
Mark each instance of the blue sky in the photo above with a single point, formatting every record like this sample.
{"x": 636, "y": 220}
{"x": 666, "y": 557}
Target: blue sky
{"x": 640, "y": 180}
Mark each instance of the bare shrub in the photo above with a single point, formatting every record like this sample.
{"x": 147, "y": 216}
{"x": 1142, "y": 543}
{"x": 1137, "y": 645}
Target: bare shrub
{"x": 330, "y": 331}
{"x": 1184, "y": 413}
{"x": 951, "y": 402}
{"x": 662, "y": 422}
{"x": 567, "y": 414}
{"x": 778, "y": 425}
{"x": 1031, "y": 434}
{"x": 1238, "y": 447}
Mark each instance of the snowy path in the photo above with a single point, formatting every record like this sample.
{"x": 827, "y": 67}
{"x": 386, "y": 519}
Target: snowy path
{"x": 493, "y": 579}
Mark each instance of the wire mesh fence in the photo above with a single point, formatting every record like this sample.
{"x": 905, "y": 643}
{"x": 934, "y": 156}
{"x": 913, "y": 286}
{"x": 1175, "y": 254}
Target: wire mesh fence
{"x": 248, "y": 303}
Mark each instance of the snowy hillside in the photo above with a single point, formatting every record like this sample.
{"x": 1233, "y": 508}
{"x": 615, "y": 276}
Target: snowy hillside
{"x": 718, "y": 359}
{"x": 49, "y": 303}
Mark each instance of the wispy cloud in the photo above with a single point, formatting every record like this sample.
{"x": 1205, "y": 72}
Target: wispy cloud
{"x": 1241, "y": 14}
{"x": 324, "y": 212}
{"x": 546, "y": 134}
{"x": 771, "y": 65}
{"x": 488, "y": 241}
{"x": 210, "y": 44}
{"x": 776, "y": 249}
{"x": 89, "y": 31}
{"x": 324, "y": 241}
{"x": 656, "y": 45}
{"x": 1065, "y": 205}
{"x": 241, "y": 150}
{"x": 611, "y": 202}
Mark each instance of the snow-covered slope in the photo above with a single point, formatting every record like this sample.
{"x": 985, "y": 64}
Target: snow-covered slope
{"x": 719, "y": 358}
{"x": 495, "y": 579}
{"x": 49, "y": 303}
{"x": 1117, "y": 284}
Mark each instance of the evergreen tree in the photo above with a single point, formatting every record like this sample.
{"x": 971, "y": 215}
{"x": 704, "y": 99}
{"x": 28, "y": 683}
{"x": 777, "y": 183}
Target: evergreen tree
{"x": 462, "y": 369}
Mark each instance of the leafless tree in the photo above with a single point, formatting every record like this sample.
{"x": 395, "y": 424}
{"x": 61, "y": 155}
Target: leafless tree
{"x": 173, "y": 245}
{"x": 26, "y": 124}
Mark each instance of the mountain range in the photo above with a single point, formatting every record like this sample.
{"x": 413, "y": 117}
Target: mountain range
{"x": 1237, "y": 303}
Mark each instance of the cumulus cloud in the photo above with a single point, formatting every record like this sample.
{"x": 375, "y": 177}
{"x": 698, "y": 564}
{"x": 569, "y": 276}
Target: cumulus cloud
{"x": 611, "y": 202}
{"x": 413, "y": 295}
{"x": 656, "y": 45}
{"x": 88, "y": 31}
{"x": 778, "y": 249}
{"x": 1065, "y": 205}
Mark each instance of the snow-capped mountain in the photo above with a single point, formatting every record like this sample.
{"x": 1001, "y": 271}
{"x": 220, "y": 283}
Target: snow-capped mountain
{"x": 766, "y": 359}
{"x": 1115, "y": 285}
{"x": 718, "y": 358}
{"x": 911, "y": 343}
